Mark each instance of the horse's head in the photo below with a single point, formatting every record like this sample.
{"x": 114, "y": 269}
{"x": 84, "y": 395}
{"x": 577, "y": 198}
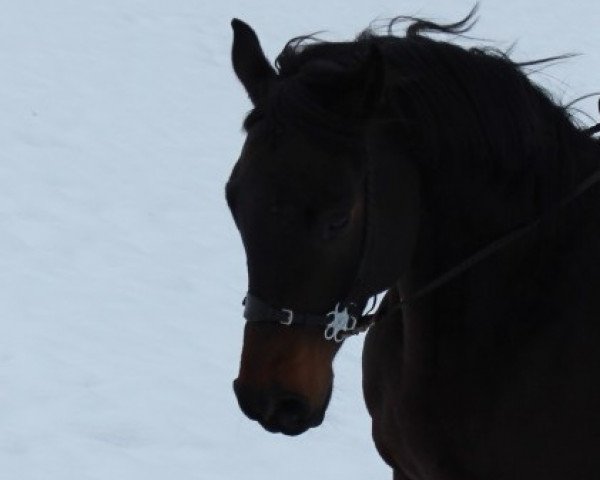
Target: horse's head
{"x": 299, "y": 201}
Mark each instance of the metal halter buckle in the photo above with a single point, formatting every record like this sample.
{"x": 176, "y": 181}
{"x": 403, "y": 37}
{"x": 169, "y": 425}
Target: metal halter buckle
{"x": 290, "y": 317}
{"x": 342, "y": 322}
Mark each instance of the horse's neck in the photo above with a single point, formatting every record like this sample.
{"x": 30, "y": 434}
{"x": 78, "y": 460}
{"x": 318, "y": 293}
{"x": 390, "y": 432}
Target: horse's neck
{"x": 461, "y": 219}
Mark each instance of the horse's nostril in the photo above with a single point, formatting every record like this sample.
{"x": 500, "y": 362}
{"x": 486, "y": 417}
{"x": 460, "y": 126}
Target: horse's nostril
{"x": 291, "y": 413}
{"x": 276, "y": 410}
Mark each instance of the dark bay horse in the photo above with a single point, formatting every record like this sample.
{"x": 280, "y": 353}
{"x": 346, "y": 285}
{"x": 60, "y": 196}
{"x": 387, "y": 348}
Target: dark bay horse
{"x": 445, "y": 177}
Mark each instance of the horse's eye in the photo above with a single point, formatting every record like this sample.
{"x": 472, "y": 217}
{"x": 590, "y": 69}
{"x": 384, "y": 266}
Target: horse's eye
{"x": 336, "y": 225}
{"x": 339, "y": 222}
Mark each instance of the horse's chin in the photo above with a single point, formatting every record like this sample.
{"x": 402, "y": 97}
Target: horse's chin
{"x": 291, "y": 431}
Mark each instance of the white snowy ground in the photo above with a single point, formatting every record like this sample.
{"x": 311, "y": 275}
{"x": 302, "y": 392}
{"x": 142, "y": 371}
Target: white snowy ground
{"x": 121, "y": 274}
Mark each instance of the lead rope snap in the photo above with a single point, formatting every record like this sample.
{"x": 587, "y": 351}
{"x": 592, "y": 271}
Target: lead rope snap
{"x": 342, "y": 322}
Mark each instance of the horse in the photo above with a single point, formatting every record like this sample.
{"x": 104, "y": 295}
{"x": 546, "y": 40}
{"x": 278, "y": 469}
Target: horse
{"x": 444, "y": 177}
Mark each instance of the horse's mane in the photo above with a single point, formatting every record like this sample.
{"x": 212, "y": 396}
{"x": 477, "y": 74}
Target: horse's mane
{"x": 473, "y": 104}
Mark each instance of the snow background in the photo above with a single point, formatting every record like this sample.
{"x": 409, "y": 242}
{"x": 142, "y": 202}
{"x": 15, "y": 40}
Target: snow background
{"x": 121, "y": 273}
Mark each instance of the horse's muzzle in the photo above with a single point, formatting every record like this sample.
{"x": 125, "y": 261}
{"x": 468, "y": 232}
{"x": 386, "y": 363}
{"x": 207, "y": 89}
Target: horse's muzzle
{"x": 277, "y": 410}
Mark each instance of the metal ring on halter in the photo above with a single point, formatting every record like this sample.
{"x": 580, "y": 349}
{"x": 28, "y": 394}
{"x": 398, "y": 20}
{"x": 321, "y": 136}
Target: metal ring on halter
{"x": 290, "y": 317}
{"x": 342, "y": 322}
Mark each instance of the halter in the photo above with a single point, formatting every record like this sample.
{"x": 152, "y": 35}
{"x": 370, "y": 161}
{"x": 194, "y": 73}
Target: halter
{"x": 338, "y": 323}
{"x": 349, "y": 316}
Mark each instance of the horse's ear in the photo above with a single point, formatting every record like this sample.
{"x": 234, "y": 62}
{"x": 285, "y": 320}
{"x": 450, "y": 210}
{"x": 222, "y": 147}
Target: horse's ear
{"x": 249, "y": 62}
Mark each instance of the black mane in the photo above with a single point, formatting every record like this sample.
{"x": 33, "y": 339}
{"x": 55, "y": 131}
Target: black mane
{"x": 473, "y": 104}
